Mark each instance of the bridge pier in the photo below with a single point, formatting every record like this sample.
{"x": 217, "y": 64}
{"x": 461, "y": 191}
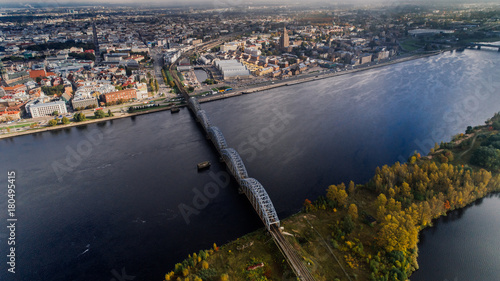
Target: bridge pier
{"x": 499, "y": 50}
{"x": 479, "y": 47}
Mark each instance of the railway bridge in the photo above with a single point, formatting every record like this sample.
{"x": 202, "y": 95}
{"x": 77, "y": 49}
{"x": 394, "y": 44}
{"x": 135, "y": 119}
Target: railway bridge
{"x": 253, "y": 189}
{"x": 479, "y": 45}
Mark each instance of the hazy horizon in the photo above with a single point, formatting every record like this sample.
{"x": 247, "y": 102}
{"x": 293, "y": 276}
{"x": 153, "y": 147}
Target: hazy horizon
{"x": 226, "y": 3}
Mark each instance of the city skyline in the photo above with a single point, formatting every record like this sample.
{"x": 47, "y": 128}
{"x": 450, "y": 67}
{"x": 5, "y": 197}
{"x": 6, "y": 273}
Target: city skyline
{"x": 224, "y": 3}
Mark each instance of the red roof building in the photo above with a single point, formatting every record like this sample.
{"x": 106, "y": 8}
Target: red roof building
{"x": 120, "y": 95}
{"x": 10, "y": 113}
{"x": 37, "y": 73}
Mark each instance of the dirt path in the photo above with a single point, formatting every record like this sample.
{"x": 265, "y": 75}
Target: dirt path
{"x": 471, "y": 146}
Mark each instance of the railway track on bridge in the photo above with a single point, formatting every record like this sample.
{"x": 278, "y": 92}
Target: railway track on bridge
{"x": 291, "y": 256}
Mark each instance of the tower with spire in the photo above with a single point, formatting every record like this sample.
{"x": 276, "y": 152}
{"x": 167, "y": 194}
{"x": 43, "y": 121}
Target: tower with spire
{"x": 284, "y": 40}
{"x": 3, "y": 72}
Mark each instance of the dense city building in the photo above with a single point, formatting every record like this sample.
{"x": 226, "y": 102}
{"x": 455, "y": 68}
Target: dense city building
{"x": 231, "y": 69}
{"x": 84, "y": 102}
{"x": 40, "y": 109}
{"x": 123, "y": 95}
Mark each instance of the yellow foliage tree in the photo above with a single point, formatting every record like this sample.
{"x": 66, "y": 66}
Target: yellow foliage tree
{"x": 413, "y": 159}
{"x": 337, "y": 194}
{"x": 353, "y": 211}
{"x": 392, "y": 192}
{"x": 381, "y": 200}
{"x": 204, "y": 264}
{"x": 195, "y": 258}
{"x": 185, "y": 272}
{"x": 398, "y": 233}
{"x": 351, "y": 188}
{"x": 381, "y": 213}
{"x": 169, "y": 275}
{"x": 406, "y": 190}
{"x": 224, "y": 277}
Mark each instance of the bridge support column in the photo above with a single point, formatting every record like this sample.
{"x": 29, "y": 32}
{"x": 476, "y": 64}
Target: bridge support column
{"x": 479, "y": 47}
{"x": 499, "y": 50}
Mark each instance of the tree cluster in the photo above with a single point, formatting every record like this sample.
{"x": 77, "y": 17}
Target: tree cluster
{"x": 79, "y": 117}
{"x": 82, "y": 56}
{"x": 56, "y": 90}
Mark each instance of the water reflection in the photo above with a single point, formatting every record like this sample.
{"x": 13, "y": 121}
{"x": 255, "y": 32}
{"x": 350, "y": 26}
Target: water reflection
{"x": 82, "y": 127}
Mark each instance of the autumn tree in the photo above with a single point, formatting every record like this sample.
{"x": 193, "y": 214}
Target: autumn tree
{"x": 406, "y": 190}
{"x": 381, "y": 200}
{"x": 308, "y": 206}
{"x": 381, "y": 211}
{"x": 337, "y": 194}
{"x": 52, "y": 122}
{"x": 413, "y": 160}
{"x": 351, "y": 188}
{"x": 397, "y": 233}
{"x": 353, "y": 211}
{"x": 169, "y": 276}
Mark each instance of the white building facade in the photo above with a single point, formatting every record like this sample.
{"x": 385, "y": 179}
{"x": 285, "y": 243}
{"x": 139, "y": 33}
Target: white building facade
{"x": 46, "y": 109}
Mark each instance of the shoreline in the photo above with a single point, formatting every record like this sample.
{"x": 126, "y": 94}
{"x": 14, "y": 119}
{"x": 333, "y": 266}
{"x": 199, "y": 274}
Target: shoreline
{"x": 319, "y": 76}
{"x": 298, "y": 80}
{"x": 76, "y": 124}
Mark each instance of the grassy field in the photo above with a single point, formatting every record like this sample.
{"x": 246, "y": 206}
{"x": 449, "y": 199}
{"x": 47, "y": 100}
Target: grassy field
{"x": 412, "y": 44}
{"x": 21, "y": 125}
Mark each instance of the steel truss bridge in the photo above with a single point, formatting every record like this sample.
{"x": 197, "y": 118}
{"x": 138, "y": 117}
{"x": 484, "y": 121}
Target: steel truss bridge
{"x": 252, "y": 188}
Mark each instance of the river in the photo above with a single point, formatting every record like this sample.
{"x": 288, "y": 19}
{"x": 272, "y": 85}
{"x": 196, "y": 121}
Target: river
{"x": 463, "y": 245}
{"x": 103, "y": 199}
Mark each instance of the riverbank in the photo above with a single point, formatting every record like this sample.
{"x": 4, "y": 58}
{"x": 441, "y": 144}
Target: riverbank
{"x": 288, "y": 82}
{"x": 311, "y": 77}
{"x": 369, "y": 231}
{"x": 90, "y": 121}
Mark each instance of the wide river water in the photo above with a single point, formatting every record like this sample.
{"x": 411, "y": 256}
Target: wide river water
{"x": 97, "y": 201}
